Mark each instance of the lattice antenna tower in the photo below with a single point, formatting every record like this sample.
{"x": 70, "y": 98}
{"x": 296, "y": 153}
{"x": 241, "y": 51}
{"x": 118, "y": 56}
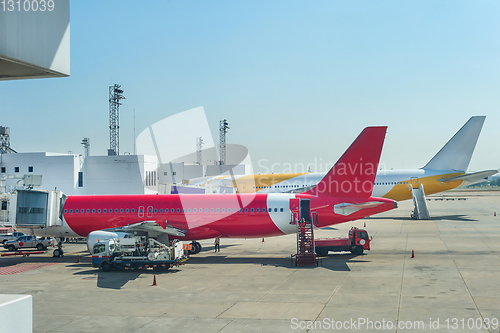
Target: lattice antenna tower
{"x": 86, "y": 146}
{"x": 5, "y": 141}
{"x": 115, "y": 95}
{"x": 223, "y": 127}
{"x": 199, "y": 145}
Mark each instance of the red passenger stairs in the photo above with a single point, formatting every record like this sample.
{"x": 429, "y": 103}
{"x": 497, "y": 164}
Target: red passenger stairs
{"x": 305, "y": 243}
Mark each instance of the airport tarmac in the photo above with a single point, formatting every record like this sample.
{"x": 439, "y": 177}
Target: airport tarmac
{"x": 251, "y": 286}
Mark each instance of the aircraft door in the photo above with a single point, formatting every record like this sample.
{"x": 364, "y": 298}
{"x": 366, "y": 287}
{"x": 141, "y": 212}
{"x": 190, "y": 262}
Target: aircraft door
{"x": 305, "y": 210}
{"x": 241, "y": 187}
{"x": 415, "y": 182}
{"x": 150, "y": 211}
{"x": 140, "y": 212}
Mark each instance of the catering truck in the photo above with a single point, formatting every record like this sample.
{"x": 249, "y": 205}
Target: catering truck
{"x": 356, "y": 243}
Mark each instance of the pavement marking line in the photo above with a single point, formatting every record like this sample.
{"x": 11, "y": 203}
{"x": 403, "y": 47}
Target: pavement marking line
{"x": 485, "y": 236}
{"x": 277, "y": 285}
{"x": 230, "y": 321}
{"x": 258, "y": 300}
{"x": 402, "y": 281}
{"x": 334, "y": 291}
{"x": 465, "y": 283}
{"x": 401, "y": 229}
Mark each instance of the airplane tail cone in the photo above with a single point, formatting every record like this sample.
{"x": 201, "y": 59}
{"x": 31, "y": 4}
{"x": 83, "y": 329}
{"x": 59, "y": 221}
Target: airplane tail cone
{"x": 78, "y": 260}
{"x": 412, "y": 254}
{"x": 154, "y": 281}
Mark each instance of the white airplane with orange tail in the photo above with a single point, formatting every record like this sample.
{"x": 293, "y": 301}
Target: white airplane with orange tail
{"x": 445, "y": 171}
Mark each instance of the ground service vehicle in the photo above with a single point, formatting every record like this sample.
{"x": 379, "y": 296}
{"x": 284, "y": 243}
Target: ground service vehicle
{"x": 357, "y": 242}
{"x": 29, "y": 241}
{"x": 136, "y": 252}
{"x": 11, "y": 236}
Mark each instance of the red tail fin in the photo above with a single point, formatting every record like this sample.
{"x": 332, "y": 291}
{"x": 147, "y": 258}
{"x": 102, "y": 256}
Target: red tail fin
{"x": 354, "y": 173}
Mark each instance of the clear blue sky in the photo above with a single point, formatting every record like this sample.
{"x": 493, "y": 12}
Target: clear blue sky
{"x": 297, "y": 80}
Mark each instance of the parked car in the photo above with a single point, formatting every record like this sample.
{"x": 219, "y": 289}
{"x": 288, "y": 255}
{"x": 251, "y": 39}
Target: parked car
{"x": 13, "y": 236}
{"x": 29, "y": 241}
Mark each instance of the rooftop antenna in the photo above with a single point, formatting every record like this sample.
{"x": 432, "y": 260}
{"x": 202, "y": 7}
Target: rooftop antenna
{"x": 134, "y": 133}
{"x": 5, "y": 141}
{"x": 115, "y": 95}
{"x": 199, "y": 144}
{"x": 86, "y": 146}
{"x": 223, "y": 127}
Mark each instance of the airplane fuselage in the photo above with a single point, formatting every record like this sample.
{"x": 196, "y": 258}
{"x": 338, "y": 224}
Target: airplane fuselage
{"x": 203, "y": 216}
{"x": 390, "y": 184}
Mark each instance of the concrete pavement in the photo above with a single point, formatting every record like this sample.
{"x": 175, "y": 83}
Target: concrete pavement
{"x": 250, "y": 286}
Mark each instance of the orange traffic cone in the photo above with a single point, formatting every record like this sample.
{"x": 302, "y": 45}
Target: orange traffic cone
{"x": 154, "y": 281}
{"x": 412, "y": 254}
{"x": 78, "y": 260}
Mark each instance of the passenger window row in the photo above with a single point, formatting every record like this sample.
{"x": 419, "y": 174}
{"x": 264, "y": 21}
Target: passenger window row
{"x": 279, "y": 186}
{"x": 172, "y": 210}
{"x": 392, "y": 183}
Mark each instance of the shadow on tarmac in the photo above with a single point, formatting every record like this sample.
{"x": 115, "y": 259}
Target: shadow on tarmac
{"x": 19, "y": 259}
{"x": 208, "y": 248}
{"x": 329, "y": 228}
{"x": 116, "y": 279}
{"x": 334, "y": 262}
{"x": 463, "y": 218}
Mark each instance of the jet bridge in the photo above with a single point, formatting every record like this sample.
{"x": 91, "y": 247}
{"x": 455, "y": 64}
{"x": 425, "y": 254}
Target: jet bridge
{"x": 39, "y": 209}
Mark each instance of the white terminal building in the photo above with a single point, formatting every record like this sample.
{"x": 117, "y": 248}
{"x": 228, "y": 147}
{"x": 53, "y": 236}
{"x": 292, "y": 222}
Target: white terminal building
{"x": 75, "y": 174}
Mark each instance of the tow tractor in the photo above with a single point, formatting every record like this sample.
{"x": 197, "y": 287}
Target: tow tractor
{"x": 130, "y": 251}
{"x": 356, "y": 243}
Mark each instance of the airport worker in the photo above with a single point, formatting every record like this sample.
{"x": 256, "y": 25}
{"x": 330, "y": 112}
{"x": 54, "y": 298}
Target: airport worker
{"x": 217, "y": 244}
{"x": 302, "y": 223}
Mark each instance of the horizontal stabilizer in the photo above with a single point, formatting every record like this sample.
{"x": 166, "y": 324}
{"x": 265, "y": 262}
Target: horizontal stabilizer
{"x": 348, "y": 208}
{"x": 473, "y": 177}
{"x": 150, "y": 226}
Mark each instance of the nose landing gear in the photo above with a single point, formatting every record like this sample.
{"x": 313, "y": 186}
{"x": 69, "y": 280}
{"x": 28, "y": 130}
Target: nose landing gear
{"x": 59, "y": 251}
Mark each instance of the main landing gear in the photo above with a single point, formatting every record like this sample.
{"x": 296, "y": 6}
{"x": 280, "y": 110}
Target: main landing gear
{"x": 59, "y": 251}
{"x": 195, "y": 247}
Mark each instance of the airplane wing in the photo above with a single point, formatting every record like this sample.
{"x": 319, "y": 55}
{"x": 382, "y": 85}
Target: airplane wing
{"x": 471, "y": 177}
{"x": 348, "y": 208}
{"x": 150, "y": 227}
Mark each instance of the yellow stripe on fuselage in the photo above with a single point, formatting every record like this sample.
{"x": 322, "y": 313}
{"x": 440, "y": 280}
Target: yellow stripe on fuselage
{"x": 431, "y": 184}
{"x": 255, "y": 183}
{"x": 399, "y": 192}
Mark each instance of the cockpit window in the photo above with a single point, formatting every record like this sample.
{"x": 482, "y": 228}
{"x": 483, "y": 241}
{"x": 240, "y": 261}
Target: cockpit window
{"x": 61, "y": 205}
